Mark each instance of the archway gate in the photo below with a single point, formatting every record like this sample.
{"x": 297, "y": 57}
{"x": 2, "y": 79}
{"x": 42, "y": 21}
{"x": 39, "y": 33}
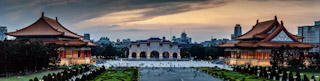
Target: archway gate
{"x": 154, "y": 48}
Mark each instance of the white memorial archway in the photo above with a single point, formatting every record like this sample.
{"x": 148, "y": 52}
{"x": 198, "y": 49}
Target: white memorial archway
{"x": 154, "y": 48}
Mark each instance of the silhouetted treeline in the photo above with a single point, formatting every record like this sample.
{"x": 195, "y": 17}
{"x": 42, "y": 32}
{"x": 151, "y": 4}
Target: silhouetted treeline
{"x": 104, "y": 50}
{"x": 200, "y": 52}
{"x": 23, "y": 56}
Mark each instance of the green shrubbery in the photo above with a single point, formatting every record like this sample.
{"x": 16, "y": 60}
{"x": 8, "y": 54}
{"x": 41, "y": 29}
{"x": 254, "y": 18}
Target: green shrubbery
{"x": 66, "y": 74}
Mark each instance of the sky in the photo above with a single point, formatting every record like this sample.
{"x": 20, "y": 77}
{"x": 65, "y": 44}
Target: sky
{"x": 142, "y": 19}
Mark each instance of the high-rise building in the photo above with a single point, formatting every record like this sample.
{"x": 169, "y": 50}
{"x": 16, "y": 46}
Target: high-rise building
{"x": 86, "y": 36}
{"x": 183, "y": 40}
{"x": 214, "y": 42}
{"x": 163, "y": 38}
{"x": 237, "y": 32}
{"x": 310, "y": 34}
{"x": 3, "y": 30}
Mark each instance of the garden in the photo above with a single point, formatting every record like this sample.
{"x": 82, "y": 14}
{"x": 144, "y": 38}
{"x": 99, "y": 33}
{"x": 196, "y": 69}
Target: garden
{"x": 258, "y": 73}
{"x": 119, "y": 74}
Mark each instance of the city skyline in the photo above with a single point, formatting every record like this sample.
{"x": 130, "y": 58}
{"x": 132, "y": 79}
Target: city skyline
{"x": 141, "y": 19}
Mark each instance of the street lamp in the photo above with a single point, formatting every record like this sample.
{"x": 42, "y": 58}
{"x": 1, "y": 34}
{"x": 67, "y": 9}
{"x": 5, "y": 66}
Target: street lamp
{"x": 280, "y": 77}
{"x": 268, "y": 74}
{"x": 258, "y": 73}
{"x": 294, "y": 78}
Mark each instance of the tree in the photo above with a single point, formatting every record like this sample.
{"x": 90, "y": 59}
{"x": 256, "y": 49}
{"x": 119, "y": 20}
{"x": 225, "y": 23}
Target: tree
{"x": 104, "y": 50}
{"x": 293, "y": 57}
{"x": 24, "y": 56}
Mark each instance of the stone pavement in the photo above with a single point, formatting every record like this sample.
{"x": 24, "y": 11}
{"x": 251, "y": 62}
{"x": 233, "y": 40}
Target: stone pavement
{"x": 174, "y": 74}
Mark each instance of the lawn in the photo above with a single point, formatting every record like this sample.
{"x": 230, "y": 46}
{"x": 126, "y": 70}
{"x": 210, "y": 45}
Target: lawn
{"x": 28, "y": 77}
{"x": 308, "y": 72}
{"x": 232, "y": 74}
{"x": 119, "y": 74}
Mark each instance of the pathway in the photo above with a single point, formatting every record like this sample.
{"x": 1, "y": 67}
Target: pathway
{"x": 174, "y": 74}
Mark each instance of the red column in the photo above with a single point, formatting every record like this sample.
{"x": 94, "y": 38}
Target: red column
{"x": 88, "y": 53}
{"x": 82, "y": 53}
{"x": 63, "y": 54}
{"x": 255, "y": 55}
{"x": 75, "y": 53}
{"x": 247, "y": 54}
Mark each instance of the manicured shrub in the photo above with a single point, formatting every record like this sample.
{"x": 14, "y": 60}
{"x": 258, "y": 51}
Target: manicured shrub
{"x": 298, "y": 76}
{"x": 285, "y": 76}
{"x": 35, "y": 79}
{"x": 312, "y": 77}
{"x": 305, "y": 78}
{"x": 44, "y": 78}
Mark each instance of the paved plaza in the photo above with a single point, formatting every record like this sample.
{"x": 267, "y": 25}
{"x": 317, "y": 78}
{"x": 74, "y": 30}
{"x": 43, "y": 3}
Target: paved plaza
{"x": 174, "y": 74}
{"x": 162, "y": 64}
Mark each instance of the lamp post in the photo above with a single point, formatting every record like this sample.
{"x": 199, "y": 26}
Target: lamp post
{"x": 295, "y": 78}
{"x": 258, "y": 73}
{"x": 268, "y": 74}
{"x": 280, "y": 77}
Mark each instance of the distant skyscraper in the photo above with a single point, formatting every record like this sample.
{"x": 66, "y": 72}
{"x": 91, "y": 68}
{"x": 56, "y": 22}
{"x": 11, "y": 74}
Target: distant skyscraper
{"x": 3, "y": 30}
{"x": 311, "y": 35}
{"x": 183, "y": 40}
{"x": 173, "y": 38}
{"x": 163, "y": 38}
{"x": 237, "y": 32}
{"x": 86, "y": 36}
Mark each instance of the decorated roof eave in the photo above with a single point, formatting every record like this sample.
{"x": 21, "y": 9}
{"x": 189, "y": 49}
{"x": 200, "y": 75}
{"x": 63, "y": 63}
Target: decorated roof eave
{"x": 277, "y": 31}
{"x": 69, "y": 30}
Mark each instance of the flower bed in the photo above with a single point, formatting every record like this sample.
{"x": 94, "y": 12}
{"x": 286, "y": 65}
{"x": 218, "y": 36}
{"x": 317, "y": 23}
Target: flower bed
{"x": 119, "y": 74}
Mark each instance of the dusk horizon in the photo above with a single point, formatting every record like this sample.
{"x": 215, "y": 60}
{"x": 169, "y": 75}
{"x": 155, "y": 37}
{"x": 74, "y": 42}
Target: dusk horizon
{"x": 139, "y": 20}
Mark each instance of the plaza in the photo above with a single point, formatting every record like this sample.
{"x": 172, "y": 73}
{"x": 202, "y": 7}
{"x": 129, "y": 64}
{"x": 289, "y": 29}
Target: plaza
{"x": 174, "y": 74}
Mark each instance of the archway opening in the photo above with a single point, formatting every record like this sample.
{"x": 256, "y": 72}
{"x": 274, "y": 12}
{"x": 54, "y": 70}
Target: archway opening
{"x": 175, "y": 55}
{"x": 143, "y": 55}
{"x": 165, "y": 54}
{"x": 154, "y": 54}
{"x": 134, "y": 55}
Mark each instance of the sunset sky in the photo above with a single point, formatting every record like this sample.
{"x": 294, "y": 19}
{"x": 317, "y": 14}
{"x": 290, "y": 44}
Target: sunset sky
{"x": 141, "y": 19}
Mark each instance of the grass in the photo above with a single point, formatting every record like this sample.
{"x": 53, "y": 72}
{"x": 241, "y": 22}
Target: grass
{"x": 308, "y": 72}
{"x": 118, "y": 74}
{"x": 28, "y": 77}
{"x": 232, "y": 74}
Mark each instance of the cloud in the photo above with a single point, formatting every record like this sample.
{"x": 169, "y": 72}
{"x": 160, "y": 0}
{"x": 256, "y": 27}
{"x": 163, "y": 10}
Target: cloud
{"x": 132, "y": 30}
{"x": 140, "y": 11}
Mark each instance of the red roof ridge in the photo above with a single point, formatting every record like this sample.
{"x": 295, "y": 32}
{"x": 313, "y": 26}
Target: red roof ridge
{"x": 254, "y": 28}
{"x": 56, "y": 21}
{"x": 46, "y": 24}
{"x": 10, "y": 33}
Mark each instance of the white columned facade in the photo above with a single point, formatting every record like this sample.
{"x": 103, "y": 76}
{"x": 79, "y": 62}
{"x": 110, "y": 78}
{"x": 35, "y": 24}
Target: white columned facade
{"x": 154, "y": 48}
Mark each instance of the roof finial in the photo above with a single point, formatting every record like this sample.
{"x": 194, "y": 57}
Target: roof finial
{"x": 56, "y": 18}
{"x": 257, "y": 21}
{"x": 42, "y": 14}
{"x": 281, "y": 22}
{"x": 275, "y": 17}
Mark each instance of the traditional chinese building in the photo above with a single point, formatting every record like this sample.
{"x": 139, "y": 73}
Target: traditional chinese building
{"x": 255, "y": 46}
{"x": 154, "y": 48}
{"x": 72, "y": 49}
